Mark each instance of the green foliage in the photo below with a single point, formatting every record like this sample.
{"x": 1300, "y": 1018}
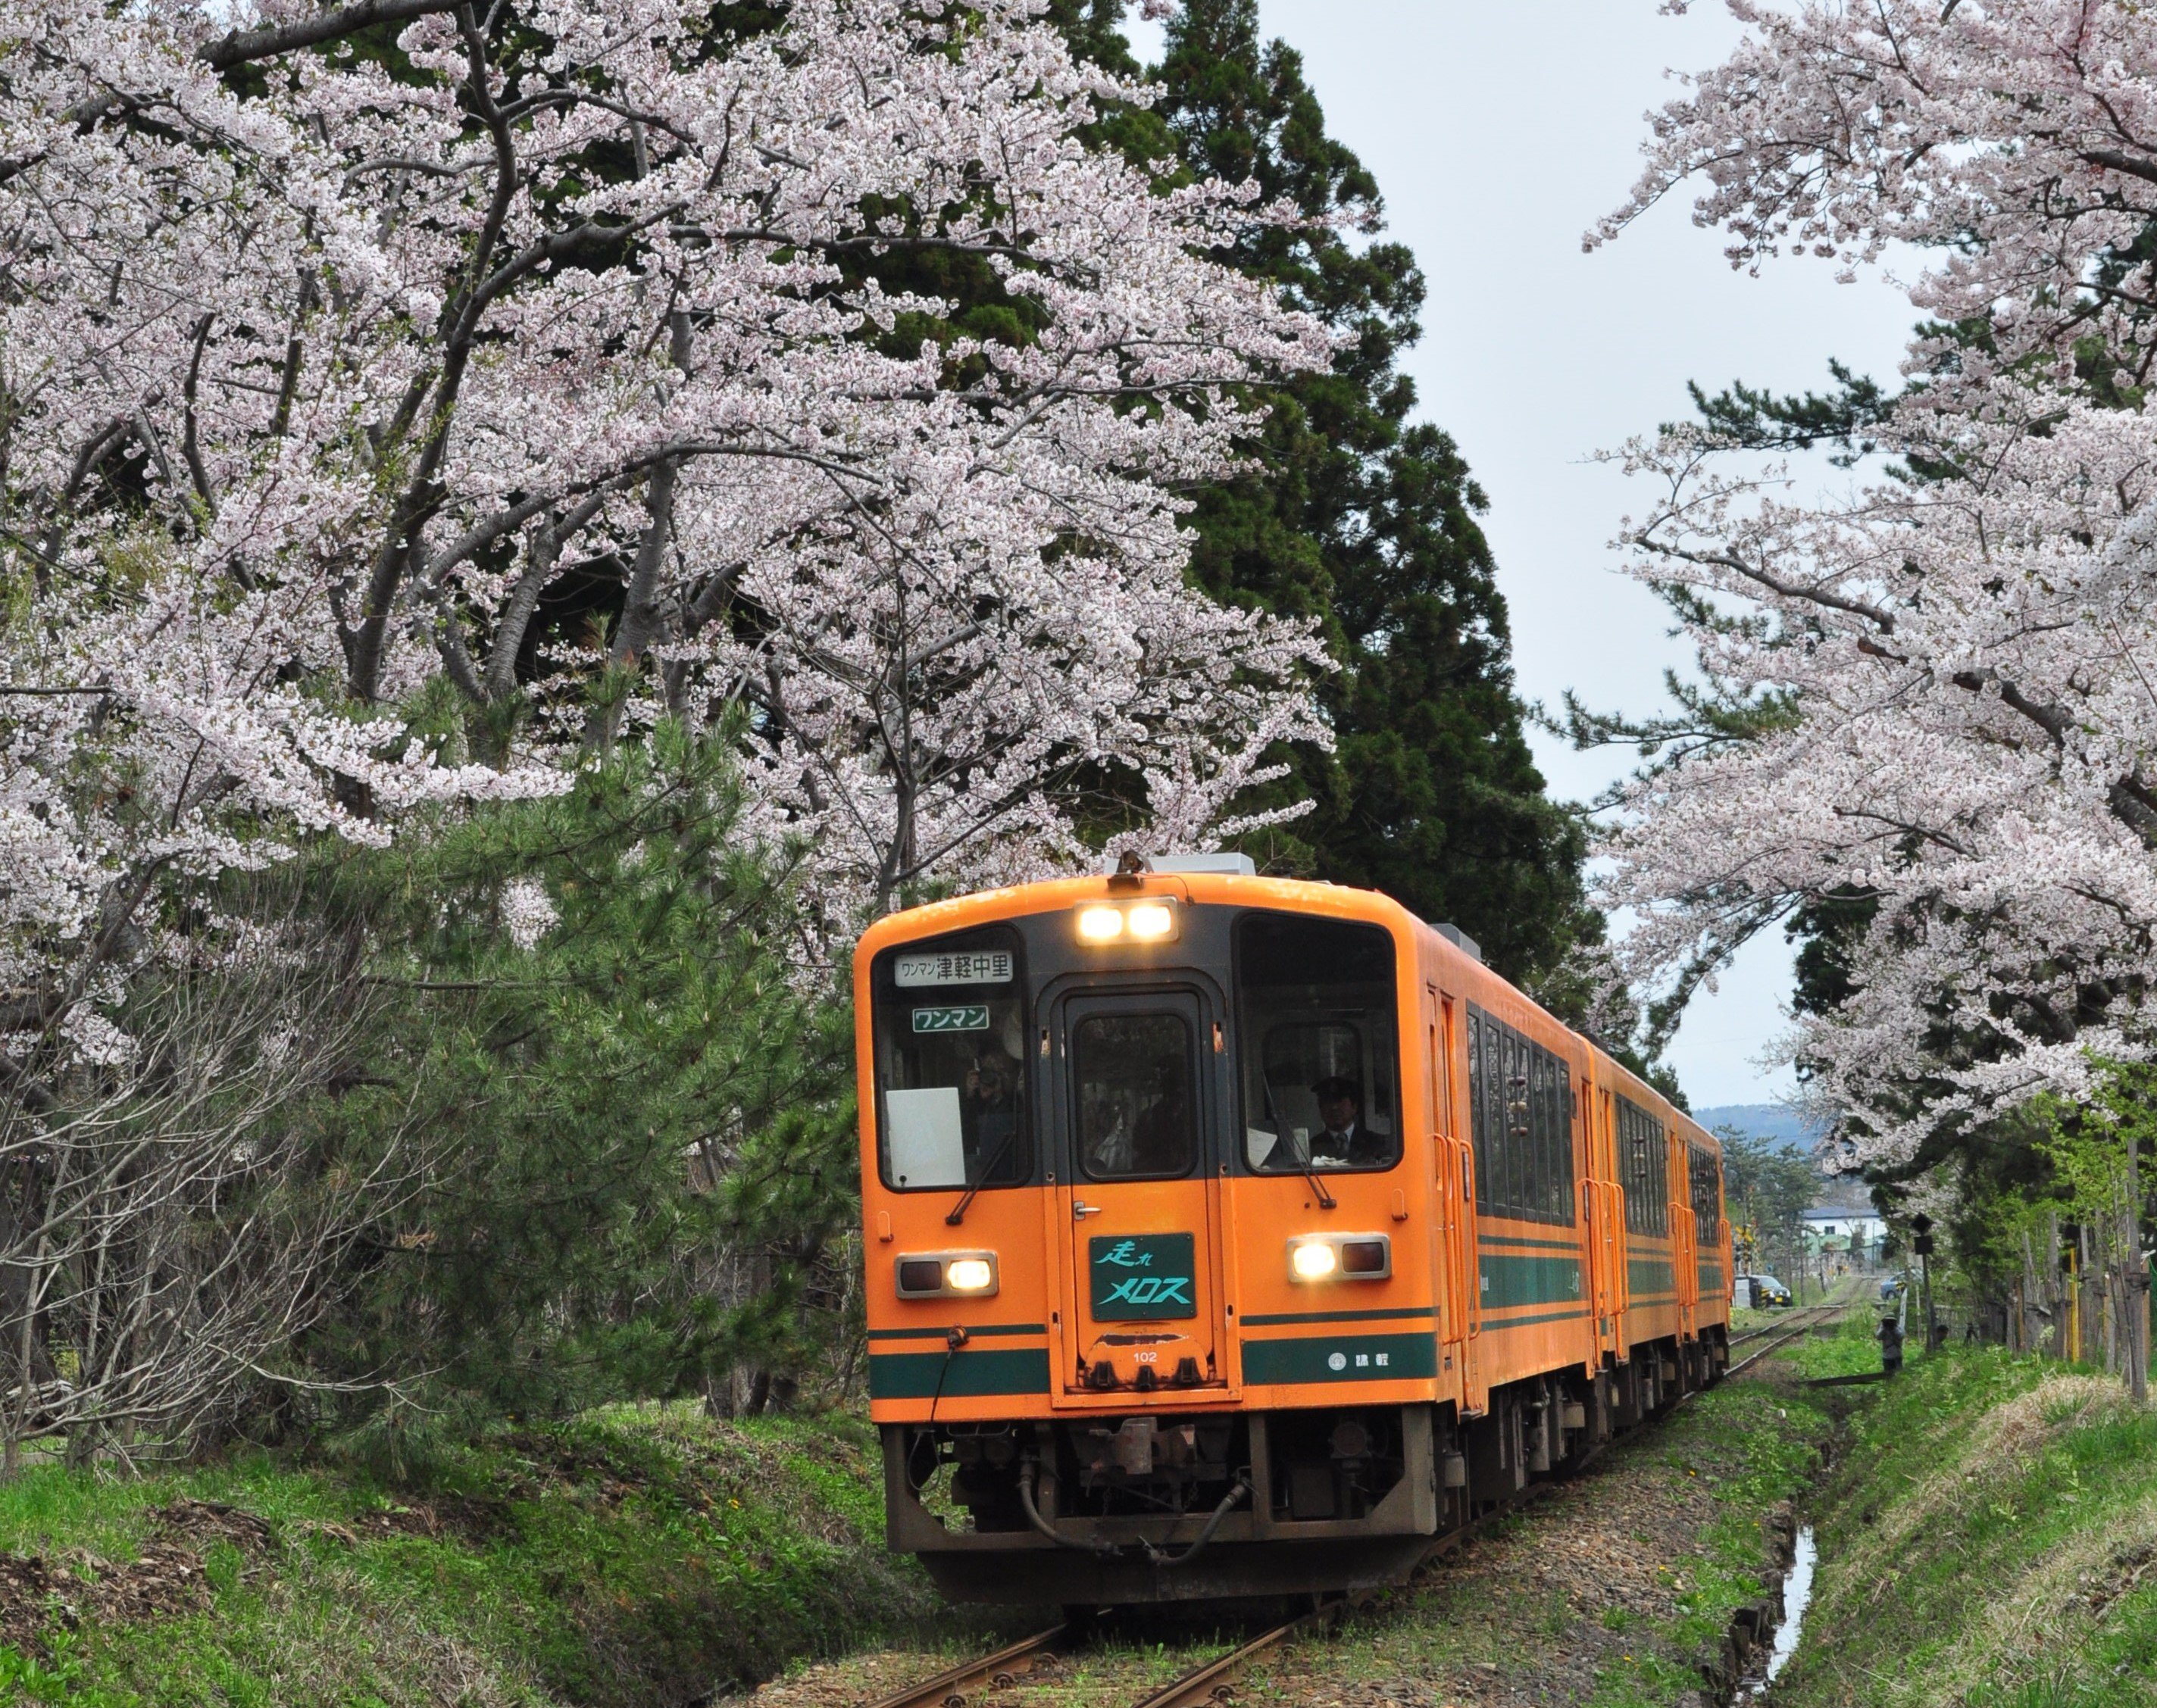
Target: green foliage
{"x": 641, "y": 1121}
{"x": 1852, "y": 1350}
{"x": 637, "y": 1558}
{"x": 1985, "y": 1541}
{"x": 1766, "y": 1187}
{"x": 1366, "y": 522}
{"x": 1755, "y": 419}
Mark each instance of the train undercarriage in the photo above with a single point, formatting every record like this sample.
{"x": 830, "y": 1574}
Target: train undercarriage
{"x": 1166, "y": 1506}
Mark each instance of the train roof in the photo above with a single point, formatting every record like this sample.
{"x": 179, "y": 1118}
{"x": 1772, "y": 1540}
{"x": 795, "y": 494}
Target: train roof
{"x": 1215, "y": 881}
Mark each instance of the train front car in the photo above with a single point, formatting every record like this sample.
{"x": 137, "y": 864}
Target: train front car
{"x": 1229, "y": 1236}
{"x": 1148, "y": 1278}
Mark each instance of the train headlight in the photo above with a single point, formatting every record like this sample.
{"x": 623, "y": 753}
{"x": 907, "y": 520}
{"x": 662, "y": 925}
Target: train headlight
{"x": 1100, "y": 924}
{"x": 1152, "y": 920}
{"x": 1345, "y": 1257}
{"x": 969, "y": 1274}
{"x": 946, "y": 1274}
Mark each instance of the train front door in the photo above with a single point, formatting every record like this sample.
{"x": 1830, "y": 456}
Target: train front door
{"x": 1138, "y": 1096}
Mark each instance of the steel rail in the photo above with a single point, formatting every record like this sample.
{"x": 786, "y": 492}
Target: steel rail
{"x": 1206, "y": 1684}
{"x": 1807, "y": 1311}
{"x": 949, "y": 1688}
{"x": 1788, "y": 1332}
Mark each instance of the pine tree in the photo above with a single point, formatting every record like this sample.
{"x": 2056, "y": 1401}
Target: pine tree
{"x": 1367, "y": 521}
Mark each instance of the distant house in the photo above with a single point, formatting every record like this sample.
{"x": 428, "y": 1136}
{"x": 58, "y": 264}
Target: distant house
{"x": 1843, "y": 1227}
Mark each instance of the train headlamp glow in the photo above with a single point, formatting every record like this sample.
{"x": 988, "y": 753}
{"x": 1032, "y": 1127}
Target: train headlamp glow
{"x": 1152, "y": 921}
{"x": 970, "y": 1275}
{"x": 946, "y": 1274}
{"x": 1342, "y": 1256}
{"x": 1100, "y": 924}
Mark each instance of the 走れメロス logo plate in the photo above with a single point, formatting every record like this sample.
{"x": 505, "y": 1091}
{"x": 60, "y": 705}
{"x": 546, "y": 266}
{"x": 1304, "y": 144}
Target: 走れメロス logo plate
{"x": 1142, "y": 1276}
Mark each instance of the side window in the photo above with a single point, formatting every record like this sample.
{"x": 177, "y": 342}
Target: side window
{"x": 1131, "y": 1075}
{"x": 1707, "y": 1199}
{"x": 1519, "y": 1098}
{"x": 1643, "y": 1170}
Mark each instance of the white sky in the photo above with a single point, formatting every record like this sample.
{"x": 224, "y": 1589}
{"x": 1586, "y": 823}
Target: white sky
{"x": 1498, "y": 135}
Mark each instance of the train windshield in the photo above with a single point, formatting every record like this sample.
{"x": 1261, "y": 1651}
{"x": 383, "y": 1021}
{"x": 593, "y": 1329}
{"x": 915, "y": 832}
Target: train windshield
{"x": 1132, "y": 1074}
{"x": 1316, "y": 1012}
{"x": 950, "y": 1046}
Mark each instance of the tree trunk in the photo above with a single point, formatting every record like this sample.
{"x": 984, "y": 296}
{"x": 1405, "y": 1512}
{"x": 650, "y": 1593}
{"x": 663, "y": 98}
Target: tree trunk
{"x": 2136, "y": 1294}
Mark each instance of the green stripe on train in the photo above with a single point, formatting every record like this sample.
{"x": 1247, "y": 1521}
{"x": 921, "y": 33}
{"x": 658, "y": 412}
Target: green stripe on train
{"x": 1650, "y": 1275}
{"x": 915, "y": 1375}
{"x": 1509, "y": 1280}
{"x": 1342, "y": 1358}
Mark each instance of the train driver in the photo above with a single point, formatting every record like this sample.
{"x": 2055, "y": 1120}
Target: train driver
{"x": 1347, "y": 1142}
{"x": 989, "y": 1114}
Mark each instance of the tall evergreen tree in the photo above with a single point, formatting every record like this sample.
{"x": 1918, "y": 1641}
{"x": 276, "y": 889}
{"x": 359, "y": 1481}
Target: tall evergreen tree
{"x": 1367, "y": 521}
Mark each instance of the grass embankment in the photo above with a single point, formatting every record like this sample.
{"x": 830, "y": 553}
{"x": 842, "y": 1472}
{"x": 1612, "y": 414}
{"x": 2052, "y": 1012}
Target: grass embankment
{"x": 640, "y": 1558}
{"x": 1990, "y": 1541}
{"x": 1616, "y": 1590}
{"x": 1654, "y": 1554}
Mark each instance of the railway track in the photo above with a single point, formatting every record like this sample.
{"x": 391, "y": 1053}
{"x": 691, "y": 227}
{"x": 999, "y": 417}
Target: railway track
{"x": 1207, "y": 1686}
{"x": 1778, "y": 1335}
{"x": 961, "y": 1685}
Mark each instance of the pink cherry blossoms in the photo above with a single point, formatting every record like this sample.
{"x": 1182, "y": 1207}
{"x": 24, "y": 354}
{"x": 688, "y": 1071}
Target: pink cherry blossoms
{"x": 335, "y": 372}
{"x": 1953, "y": 681}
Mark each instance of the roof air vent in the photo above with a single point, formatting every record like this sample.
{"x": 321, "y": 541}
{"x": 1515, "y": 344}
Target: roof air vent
{"x": 1224, "y": 865}
{"x": 1460, "y": 940}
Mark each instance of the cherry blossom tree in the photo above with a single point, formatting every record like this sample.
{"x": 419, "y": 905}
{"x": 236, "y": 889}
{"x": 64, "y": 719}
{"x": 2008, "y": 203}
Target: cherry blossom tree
{"x": 574, "y": 354}
{"x": 1934, "y": 702}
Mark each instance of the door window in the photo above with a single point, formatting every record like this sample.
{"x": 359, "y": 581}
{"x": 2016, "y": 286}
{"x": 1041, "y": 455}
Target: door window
{"x": 1132, "y": 1075}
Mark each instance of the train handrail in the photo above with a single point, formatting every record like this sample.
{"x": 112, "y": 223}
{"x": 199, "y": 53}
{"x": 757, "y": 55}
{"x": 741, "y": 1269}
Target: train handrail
{"x": 1470, "y": 1248}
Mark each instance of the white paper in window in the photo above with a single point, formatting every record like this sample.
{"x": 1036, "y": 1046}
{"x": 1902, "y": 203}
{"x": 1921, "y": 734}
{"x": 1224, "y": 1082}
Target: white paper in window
{"x": 927, "y": 1146}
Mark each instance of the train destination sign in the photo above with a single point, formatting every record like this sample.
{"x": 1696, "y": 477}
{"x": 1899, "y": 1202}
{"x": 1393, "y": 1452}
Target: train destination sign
{"x": 974, "y": 966}
{"x": 968, "y": 1017}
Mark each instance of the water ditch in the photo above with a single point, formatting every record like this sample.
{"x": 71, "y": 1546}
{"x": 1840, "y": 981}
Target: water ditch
{"x": 1764, "y": 1633}
{"x": 1792, "y": 1597}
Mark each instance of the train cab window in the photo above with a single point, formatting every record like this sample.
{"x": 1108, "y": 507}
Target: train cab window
{"x": 1643, "y": 1170}
{"x": 1520, "y": 1099}
{"x": 950, "y": 1054}
{"x": 1132, "y": 1075}
{"x": 1317, "y": 1013}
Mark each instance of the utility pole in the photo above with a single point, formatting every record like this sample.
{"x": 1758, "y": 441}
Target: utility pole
{"x": 1921, "y": 1226}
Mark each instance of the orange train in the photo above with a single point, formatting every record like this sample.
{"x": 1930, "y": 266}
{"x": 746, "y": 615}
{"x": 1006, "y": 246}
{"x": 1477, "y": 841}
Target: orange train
{"x": 1231, "y": 1236}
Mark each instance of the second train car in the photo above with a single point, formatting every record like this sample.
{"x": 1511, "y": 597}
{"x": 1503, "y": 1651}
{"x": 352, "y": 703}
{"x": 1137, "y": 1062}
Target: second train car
{"x": 1234, "y": 1236}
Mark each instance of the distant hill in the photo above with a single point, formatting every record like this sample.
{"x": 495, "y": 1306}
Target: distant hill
{"x": 1771, "y": 1123}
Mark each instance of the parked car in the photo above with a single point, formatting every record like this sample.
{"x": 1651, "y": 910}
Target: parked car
{"x": 1893, "y": 1286}
{"x": 1758, "y": 1291}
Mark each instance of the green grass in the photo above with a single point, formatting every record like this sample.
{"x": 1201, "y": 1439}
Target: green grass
{"x": 1989, "y": 1541}
{"x": 1749, "y": 1446}
{"x": 1852, "y": 1350}
{"x": 1758, "y": 1447}
{"x": 640, "y": 1556}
